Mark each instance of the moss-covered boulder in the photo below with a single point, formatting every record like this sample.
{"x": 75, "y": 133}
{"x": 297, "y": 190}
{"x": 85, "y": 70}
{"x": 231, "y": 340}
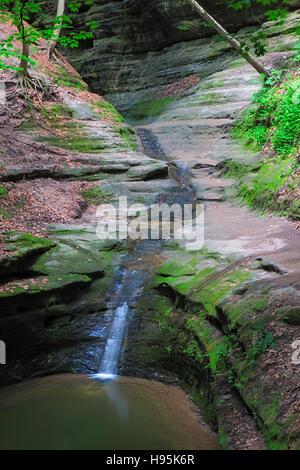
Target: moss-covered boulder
{"x": 21, "y": 251}
{"x": 27, "y": 294}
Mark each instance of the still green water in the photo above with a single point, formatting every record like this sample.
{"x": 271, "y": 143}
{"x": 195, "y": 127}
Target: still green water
{"x": 77, "y": 412}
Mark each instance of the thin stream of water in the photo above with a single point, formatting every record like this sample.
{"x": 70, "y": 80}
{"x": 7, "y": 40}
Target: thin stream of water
{"x": 109, "y": 364}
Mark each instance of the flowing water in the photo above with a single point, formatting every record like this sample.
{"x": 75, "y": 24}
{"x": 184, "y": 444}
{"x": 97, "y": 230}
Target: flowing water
{"x": 126, "y": 291}
{"x": 109, "y": 363}
{"x": 77, "y": 412}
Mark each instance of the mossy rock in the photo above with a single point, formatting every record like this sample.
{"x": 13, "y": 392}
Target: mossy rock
{"x": 35, "y": 293}
{"x": 69, "y": 258}
{"x": 146, "y": 110}
{"x": 148, "y": 170}
{"x": 82, "y": 144}
{"x": 65, "y": 78}
{"x": 202, "y": 281}
{"x": 94, "y": 196}
{"x": 23, "y": 249}
{"x": 127, "y": 134}
{"x": 108, "y": 111}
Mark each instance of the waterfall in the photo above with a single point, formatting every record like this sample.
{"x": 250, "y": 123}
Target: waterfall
{"x": 109, "y": 363}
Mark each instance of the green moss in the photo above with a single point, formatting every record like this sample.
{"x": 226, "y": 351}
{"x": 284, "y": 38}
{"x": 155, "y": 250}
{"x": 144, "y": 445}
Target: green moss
{"x": 127, "y": 134}
{"x": 261, "y": 189}
{"x": 223, "y": 438}
{"x": 273, "y": 430}
{"x": 102, "y": 176}
{"x": 212, "y": 84}
{"x": 109, "y": 111}
{"x": 25, "y": 240}
{"x": 61, "y": 110}
{"x": 77, "y": 143}
{"x": 6, "y": 214}
{"x": 259, "y": 184}
{"x": 94, "y": 196}
{"x": 211, "y": 294}
{"x": 201, "y": 398}
{"x": 215, "y": 348}
{"x": 40, "y": 286}
{"x": 202, "y": 290}
{"x": 236, "y": 64}
{"x": 3, "y": 192}
{"x": 173, "y": 245}
{"x": 208, "y": 98}
{"x": 21, "y": 248}
{"x": 196, "y": 277}
{"x": 28, "y": 126}
{"x": 233, "y": 169}
{"x": 290, "y": 315}
{"x": 62, "y": 77}
{"x": 197, "y": 346}
{"x": 144, "y": 110}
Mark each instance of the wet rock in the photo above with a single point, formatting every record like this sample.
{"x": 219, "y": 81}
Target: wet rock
{"x": 267, "y": 265}
{"x": 148, "y": 171}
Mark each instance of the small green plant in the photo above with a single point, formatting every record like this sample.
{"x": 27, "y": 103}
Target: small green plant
{"x": 193, "y": 351}
{"x": 263, "y": 340}
{"x": 3, "y": 192}
{"x": 185, "y": 26}
{"x": 6, "y": 214}
{"x": 217, "y": 357}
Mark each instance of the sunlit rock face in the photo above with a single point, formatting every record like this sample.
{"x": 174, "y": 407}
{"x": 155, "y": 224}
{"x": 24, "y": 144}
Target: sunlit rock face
{"x": 142, "y": 44}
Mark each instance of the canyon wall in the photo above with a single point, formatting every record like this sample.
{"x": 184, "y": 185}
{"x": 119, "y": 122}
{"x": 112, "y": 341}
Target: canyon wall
{"x": 139, "y": 46}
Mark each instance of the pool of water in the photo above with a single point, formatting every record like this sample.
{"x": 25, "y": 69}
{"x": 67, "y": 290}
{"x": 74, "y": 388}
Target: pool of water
{"x": 79, "y": 412}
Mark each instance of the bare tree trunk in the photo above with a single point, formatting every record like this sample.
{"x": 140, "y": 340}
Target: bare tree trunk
{"x": 23, "y": 74}
{"x": 57, "y": 27}
{"x": 248, "y": 57}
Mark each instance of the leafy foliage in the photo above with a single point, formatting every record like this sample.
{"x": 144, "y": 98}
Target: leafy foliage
{"x": 241, "y": 4}
{"x": 20, "y": 12}
{"x": 274, "y": 118}
{"x": 271, "y": 124}
{"x": 263, "y": 340}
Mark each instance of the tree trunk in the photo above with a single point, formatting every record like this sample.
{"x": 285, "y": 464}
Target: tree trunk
{"x": 57, "y": 27}
{"x": 248, "y": 57}
{"x": 23, "y": 74}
